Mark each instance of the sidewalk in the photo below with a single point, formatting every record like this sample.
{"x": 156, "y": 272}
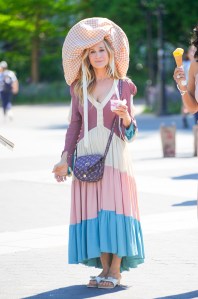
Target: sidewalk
{"x": 34, "y": 213}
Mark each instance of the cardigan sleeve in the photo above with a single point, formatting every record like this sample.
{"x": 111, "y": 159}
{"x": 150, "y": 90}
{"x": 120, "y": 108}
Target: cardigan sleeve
{"x": 131, "y": 132}
{"x": 73, "y": 131}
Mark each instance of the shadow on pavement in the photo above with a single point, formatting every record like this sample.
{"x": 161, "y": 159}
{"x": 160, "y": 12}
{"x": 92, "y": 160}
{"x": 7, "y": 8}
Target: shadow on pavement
{"x": 151, "y": 122}
{"x": 55, "y": 127}
{"x": 77, "y": 292}
{"x": 186, "y": 203}
{"x": 189, "y": 295}
{"x": 183, "y": 156}
{"x": 192, "y": 176}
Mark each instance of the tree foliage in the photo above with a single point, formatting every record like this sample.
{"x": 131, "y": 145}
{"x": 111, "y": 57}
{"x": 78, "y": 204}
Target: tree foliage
{"x": 33, "y": 31}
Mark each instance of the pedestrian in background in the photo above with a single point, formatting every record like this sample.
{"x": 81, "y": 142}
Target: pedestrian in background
{"x": 105, "y": 230}
{"x": 188, "y": 57}
{"x": 8, "y": 86}
{"x": 189, "y": 92}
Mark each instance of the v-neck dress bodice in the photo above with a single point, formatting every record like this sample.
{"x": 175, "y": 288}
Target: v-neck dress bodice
{"x": 99, "y": 106}
{"x": 107, "y": 97}
{"x": 104, "y": 215}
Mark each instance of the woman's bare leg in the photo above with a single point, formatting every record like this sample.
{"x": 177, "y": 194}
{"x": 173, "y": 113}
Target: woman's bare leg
{"x": 106, "y": 259}
{"x": 114, "y": 270}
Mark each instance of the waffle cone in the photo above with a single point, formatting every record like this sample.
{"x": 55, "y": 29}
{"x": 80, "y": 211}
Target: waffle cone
{"x": 178, "y": 60}
{"x": 178, "y": 56}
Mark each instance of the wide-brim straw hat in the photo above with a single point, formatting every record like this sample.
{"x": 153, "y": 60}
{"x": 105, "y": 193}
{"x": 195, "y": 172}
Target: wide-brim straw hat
{"x": 86, "y": 34}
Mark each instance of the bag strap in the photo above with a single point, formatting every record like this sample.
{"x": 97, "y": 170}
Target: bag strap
{"x": 110, "y": 138}
{"x": 114, "y": 123}
{"x": 112, "y": 129}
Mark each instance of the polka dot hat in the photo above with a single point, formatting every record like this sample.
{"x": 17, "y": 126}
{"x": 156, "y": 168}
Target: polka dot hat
{"x": 86, "y": 34}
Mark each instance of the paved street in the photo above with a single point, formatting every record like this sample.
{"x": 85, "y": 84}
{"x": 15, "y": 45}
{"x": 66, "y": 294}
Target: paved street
{"x": 34, "y": 213}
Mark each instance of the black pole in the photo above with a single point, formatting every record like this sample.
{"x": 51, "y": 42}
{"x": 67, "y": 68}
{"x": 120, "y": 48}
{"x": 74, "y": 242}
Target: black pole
{"x": 150, "y": 47}
{"x": 161, "y": 64}
{"x": 145, "y": 6}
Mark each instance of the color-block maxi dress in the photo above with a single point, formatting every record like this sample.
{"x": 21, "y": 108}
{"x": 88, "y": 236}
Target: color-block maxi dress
{"x": 104, "y": 214}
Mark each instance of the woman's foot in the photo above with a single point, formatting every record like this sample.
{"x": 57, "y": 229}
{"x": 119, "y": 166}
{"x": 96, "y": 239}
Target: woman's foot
{"x": 95, "y": 280}
{"x": 111, "y": 280}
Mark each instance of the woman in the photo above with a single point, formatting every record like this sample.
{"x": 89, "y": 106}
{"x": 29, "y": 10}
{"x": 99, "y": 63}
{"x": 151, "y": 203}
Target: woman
{"x": 188, "y": 57}
{"x": 189, "y": 92}
{"x": 105, "y": 230}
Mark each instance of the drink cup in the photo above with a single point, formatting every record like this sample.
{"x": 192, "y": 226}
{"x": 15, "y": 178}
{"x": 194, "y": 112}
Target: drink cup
{"x": 116, "y": 103}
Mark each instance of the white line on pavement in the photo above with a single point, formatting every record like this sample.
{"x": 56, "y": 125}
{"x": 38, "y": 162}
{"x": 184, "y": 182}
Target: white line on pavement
{"x": 49, "y": 237}
{"x": 38, "y": 238}
{"x": 167, "y": 186}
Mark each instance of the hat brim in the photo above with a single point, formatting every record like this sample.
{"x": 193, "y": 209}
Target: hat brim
{"x": 86, "y": 34}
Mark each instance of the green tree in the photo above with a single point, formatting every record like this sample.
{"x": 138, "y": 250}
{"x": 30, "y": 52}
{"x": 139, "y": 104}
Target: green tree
{"x": 126, "y": 13}
{"x": 32, "y": 30}
{"x": 179, "y": 18}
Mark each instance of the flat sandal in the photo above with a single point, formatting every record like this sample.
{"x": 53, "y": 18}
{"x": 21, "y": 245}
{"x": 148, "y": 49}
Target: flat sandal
{"x": 97, "y": 279}
{"x": 115, "y": 282}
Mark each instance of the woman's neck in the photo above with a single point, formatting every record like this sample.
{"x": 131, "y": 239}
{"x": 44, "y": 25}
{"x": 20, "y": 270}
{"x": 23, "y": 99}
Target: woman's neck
{"x": 101, "y": 75}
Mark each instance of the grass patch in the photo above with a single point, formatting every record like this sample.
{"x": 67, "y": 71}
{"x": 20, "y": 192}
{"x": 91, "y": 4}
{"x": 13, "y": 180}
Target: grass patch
{"x": 148, "y": 110}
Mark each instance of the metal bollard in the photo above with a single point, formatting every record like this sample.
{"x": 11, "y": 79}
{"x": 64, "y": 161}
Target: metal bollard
{"x": 168, "y": 134}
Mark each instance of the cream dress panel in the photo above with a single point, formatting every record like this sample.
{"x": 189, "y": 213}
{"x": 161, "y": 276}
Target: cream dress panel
{"x": 118, "y": 155}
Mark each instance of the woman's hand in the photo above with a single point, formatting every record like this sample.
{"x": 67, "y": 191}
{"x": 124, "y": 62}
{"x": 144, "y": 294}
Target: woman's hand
{"x": 122, "y": 112}
{"x": 60, "y": 171}
{"x": 179, "y": 76}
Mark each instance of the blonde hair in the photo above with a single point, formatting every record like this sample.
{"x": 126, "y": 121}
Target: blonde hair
{"x": 111, "y": 70}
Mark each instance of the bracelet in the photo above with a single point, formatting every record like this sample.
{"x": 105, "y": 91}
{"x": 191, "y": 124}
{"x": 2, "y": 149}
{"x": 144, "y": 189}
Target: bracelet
{"x": 183, "y": 82}
{"x": 69, "y": 172}
{"x": 182, "y": 92}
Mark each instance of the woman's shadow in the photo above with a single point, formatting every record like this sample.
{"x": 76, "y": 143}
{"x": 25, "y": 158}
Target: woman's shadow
{"x": 77, "y": 292}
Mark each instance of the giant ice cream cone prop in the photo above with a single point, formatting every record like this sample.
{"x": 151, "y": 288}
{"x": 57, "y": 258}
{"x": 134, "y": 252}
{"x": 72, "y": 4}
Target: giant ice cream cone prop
{"x": 178, "y": 56}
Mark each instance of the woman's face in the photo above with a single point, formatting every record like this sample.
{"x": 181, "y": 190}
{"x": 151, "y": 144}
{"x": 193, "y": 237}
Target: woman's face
{"x": 98, "y": 56}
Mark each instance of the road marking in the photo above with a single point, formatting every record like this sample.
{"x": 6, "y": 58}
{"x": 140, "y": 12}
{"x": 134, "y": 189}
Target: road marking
{"x": 38, "y": 238}
{"x": 167, "y": 186}
{"x": 41, "y": 176}
{"x": 168, "y": 222}
{"x": 55, "y": 236}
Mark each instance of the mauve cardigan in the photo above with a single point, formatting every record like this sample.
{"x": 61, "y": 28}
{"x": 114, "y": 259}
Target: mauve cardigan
{"x": 75, "y": 131}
